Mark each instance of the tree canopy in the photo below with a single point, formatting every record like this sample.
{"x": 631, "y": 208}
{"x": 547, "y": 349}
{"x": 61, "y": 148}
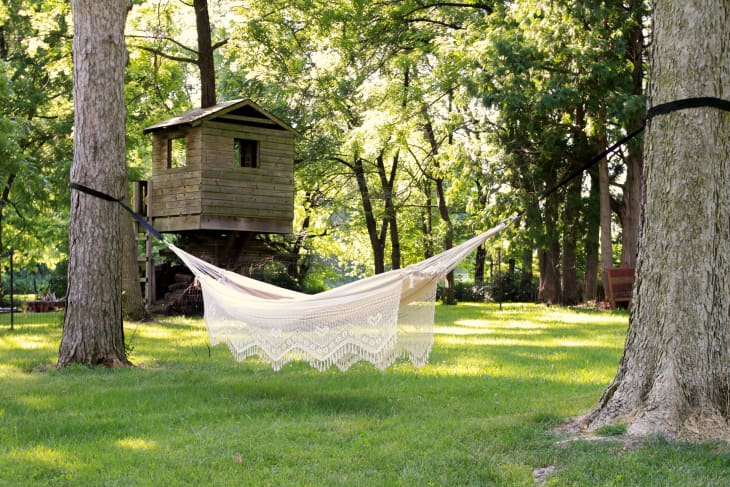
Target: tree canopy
{"x": 422, "y": 122}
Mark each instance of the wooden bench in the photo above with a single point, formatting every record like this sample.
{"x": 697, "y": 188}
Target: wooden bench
{"x": 44, "y": 305}
{"x": 620, "y": 285}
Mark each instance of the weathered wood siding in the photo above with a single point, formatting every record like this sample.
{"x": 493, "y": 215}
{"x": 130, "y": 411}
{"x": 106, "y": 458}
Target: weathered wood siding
{"x": 264, "y": 192}
{"x": 176, "y": 191}
{"x": 210, "y": 192}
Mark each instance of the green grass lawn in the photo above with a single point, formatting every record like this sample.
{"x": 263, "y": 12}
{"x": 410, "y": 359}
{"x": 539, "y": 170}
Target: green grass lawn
{"x": 481, "y": 412}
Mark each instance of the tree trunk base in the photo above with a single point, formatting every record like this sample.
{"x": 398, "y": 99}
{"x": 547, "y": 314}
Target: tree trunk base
{"x": 108, "y": 362}
{"x": 642, "y": 422}
{"x": 116, "y": 363}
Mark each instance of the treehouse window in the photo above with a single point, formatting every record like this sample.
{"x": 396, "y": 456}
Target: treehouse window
{"x": 177, "y": 152}
{"x": 246, "y": 153}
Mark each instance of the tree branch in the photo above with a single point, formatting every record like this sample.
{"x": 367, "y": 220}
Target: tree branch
{"x": 165, "y": 38}
{"x": 436, "y": 22}
{"x": 166, "y": 56}
{"x": 487, "y": 7}
{"x": 342, "y": 161}
{"x": 6, "y": 190}
{"x": 219, "y": 44}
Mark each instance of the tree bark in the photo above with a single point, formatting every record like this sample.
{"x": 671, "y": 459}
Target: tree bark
{"x": 550, "y": 273}
{"x": 377, "y": 239}
{"x": 449, "y": 291}
{"x": 632, "y": 188}
{"x": 605, "y": 217}
{"x": 442, "y": 206}
{"x": 592, "y": 238}
{"x": 206, "y": 64}
{"x": 479, "y": 260}
{"x": 569, "y": 258}
{"x": 631, "y": 210}
{"x": 4, "y": 200}
{"x": 427, "y": 220}
{"x": 92, "y": 330}
{"x": 298, "y": 264}
{"x": 387, "y": 182}
{"x": 549, "y": 290}
{"x": 674, "y": 376}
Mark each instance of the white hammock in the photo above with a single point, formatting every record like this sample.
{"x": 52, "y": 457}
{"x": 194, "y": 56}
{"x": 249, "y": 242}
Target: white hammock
{"x": 376, "y": 319}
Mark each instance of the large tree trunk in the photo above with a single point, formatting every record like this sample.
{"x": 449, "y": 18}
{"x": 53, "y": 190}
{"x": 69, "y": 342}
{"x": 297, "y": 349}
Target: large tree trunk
{"x": 674, "y": 376}
{"x": 92, "y": 328}
{"x": 550, "y": 273}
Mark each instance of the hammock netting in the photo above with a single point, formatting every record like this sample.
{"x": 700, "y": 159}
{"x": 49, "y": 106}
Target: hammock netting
{"x": 378, "y": 319}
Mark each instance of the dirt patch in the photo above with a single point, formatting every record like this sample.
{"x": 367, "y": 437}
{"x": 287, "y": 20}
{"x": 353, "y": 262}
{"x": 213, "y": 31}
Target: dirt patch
{"x": 697, "y": 430}
{"x": 574, "y": 430}
{"x": 541, "y": 474}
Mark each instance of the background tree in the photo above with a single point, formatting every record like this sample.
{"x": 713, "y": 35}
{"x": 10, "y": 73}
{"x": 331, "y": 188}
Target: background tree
{"x": 93, "y": 333}
{"x": 35, "y": 141}
{"x": 162, "y": 42}
{"x": 526, "y": 88}
{"x": 634, "y": 111}
{"x": 674, "y": 376}
{"x": 556, "y": 76}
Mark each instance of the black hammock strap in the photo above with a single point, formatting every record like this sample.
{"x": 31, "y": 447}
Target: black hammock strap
{"x": 142, "y": 220}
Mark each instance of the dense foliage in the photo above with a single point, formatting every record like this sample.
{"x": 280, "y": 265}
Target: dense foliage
{"x": 421, "y": 123}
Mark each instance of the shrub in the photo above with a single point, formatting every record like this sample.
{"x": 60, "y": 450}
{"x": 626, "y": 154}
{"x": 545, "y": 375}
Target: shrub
{"x": 513, "y": 288}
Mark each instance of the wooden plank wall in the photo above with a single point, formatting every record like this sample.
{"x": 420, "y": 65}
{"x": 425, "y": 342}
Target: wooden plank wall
{"x": 264, "y": 192}
{"x": 176, "y": 191}
{"x": 211, "y": 193}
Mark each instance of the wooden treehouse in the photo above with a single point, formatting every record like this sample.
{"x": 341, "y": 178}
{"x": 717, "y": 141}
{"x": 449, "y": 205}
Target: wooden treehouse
{"x": 220, "y": 176}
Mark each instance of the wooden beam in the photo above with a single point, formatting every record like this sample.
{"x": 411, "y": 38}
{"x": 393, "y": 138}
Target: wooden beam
{"x": 243, "y": 118}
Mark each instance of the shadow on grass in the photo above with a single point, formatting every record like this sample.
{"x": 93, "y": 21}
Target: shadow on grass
{"x": 166, "y": 419}
{"x": 479, "y": 413}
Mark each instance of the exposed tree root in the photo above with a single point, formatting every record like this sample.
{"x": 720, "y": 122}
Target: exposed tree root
{"x": 115, "y": 363}
{"x": 644, "y": 422}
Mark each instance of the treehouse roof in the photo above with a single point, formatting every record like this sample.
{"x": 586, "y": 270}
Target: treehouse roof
{"x": 242, "y": 111}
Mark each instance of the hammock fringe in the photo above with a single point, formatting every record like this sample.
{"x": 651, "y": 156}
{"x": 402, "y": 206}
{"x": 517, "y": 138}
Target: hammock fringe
{"x": 343, "y": 358}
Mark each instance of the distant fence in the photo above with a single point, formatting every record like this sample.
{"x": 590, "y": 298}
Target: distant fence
{"x": 22, "y": 318}
{"x": 27, "y": 297}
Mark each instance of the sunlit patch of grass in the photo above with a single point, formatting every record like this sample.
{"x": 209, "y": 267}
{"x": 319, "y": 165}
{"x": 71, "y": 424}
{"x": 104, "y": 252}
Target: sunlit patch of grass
{"x": 41, "y": 465}
{"x": 139, "y": 444}
{"x": 479, "y": 413}
{"x": 28, "y": 342}
{"x": 26, "y": 320}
